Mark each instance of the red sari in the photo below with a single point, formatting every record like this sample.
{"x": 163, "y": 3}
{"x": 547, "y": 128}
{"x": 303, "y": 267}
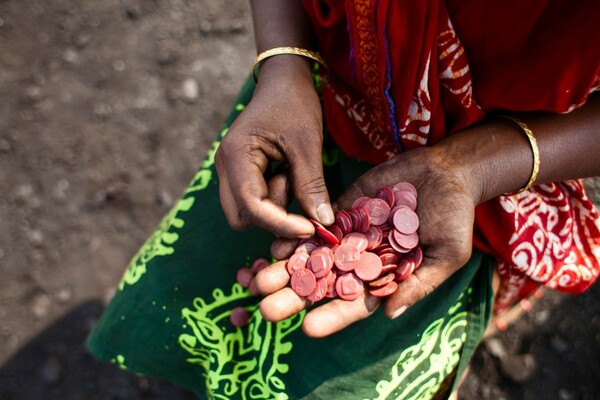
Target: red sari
{"x": 405, "y": 74}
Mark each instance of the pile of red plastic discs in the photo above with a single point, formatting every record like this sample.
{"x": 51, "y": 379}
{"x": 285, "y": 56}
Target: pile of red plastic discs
{"x": 371, "y": 246}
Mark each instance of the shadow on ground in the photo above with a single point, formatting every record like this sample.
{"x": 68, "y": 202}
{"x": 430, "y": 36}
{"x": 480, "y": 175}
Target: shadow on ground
{"x": 56, "y": 365}
{"x": 552, "y": 352}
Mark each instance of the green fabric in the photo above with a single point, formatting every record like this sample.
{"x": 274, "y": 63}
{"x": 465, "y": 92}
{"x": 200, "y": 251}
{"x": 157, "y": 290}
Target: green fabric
{"x": 170, "y": 316}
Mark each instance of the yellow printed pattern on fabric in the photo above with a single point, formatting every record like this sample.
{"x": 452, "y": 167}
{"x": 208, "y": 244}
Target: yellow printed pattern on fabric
{"x": 243, "y": 363}
{"x": 437, "y": 354}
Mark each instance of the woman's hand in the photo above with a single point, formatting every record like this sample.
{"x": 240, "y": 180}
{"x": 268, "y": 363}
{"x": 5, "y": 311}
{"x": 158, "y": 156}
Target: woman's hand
{"x": 283, "y": 123}
{"x": 451, "y": 178}
{"x": 446, "y": 201}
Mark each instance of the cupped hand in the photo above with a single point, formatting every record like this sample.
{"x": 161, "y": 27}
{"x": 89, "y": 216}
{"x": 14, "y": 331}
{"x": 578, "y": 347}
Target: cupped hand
{"x": 282, "y": 123}
{"x": 446, "y": 204}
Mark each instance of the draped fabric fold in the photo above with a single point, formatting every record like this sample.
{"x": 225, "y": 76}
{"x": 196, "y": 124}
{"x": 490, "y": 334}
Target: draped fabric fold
{"x": 405, "y": 74}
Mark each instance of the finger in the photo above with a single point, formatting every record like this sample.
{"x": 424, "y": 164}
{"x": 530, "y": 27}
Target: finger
{"x": 282, "y": 304}
{"x": 272, "y": 278}
{"x": 255, "y": 207}
{"x": 274, "y": 218}
{"x": 228, "y": 203}
{"x": 279, "y": 189}
{"x": 338, "y": 314}
{"x": 422, "y": 282}
{"x": 283, "y": 248}
{"x": 308, "y": 182}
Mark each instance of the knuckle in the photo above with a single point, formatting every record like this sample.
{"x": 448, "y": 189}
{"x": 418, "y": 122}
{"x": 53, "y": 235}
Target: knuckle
{"x": 237, "y": 224}
{"x": 423, "y": 288}
{"x": 313, "y": 185}
{"x": 235, "y": 221}
{"x": 356, "y": 189}
{"x": 246, "y": 215}
{"x": 223, "y": 152}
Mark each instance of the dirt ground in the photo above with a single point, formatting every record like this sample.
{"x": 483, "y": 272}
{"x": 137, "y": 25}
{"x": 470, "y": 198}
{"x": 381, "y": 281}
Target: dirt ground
{"x": 106, "y": 109}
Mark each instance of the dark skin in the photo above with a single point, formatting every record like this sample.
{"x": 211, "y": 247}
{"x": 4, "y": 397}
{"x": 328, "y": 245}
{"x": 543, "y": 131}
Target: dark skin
{"x": 283, "y": 123}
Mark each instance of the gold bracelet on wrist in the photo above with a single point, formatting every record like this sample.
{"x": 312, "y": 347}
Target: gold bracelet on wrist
{"x": 285, "y": 50}
{"x": 534, "y": 149}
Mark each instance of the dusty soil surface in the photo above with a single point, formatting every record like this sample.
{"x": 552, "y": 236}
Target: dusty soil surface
{"x": 106, "y": 109}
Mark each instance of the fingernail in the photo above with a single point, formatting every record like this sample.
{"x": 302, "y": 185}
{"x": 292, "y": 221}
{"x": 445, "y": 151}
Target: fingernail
{"x": 325, "y": 214}
{"x": 399, "y": 312}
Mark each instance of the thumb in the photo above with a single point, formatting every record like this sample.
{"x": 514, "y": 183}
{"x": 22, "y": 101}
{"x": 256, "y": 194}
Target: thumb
{"x": 309, "y": 186}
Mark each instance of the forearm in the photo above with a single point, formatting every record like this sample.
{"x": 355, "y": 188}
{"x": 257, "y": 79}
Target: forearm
{"x": 497, "y": 156}
{"x": 282, "y": 23}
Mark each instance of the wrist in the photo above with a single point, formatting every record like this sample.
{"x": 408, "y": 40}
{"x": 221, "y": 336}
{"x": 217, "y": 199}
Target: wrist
{"x": 492, "y": 158}
{"x": 447, "y": 157}
{"x": 289, "y": 67}
{"x": 287, "y": 78}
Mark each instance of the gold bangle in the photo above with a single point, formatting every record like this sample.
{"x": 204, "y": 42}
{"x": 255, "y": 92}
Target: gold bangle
{"x": 285, "y": 50}
{"x": 534, "y": 149}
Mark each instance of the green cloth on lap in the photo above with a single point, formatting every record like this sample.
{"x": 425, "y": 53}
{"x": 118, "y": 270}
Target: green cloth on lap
{"x": 170, "y": 316}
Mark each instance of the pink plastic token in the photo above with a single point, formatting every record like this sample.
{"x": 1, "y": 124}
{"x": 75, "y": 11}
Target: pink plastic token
{"x": 388, "y": 250}
{"x": 332, "y": 291}
{"x": 383, "y": 280}
{"x": 406, "y": 241}
{"x": 347, "y": 257}
{"x": 385, "y": 228}
{"x": 405, "y": 198}
{"x": 417, "y": 255}
{"x": 326, "y": 251}
{"x": 253, "y": 289}
{"x": 387, "y": 194}
{"x": 388, "y": 268}
{"x": 303, "y": 282}
{"x": 320, "y": 291}
{"x": 319, "y": 263}
{"x": 360, "y": 219}
{"x": 239, "y": 317}
{"x": 355, "y": 218}
{"x": 378, "y": 210}
{"x": 336, "y": 231}
{"x": 364, "y": 219}
{"x": 396, "y": 246}
{"x": 374, "y": 237}
{"x": 389, "y": 258}
{"x": 404, "y": 186}
{"x": 405, "y": 220}
{"x": 344, "y": 221}
{"x": 405, "y": 268}
{"x": 384, "y": 247}
{"x": 384, "y": 291}
{"x": 296, "y": 262}
{"x": 369, "y": 267}
{"x": 258, "y": 265}
{"x": 244, "y": 277}
{"x": 349, "y": 287}
{"x": 357, "y": 240}
{"x": 330, "y": 278}
{"x": 323, "y": 233}
{"x": 360, "y": 201}
{"x": 306, "y": 248}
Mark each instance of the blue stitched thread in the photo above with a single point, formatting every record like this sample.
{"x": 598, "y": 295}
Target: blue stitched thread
{"x": 390, "y": 101}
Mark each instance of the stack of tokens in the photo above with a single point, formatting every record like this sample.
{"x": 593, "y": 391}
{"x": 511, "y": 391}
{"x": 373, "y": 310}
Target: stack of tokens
{"x": 239, "y": 315}
{"x": 371, "y": 246}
